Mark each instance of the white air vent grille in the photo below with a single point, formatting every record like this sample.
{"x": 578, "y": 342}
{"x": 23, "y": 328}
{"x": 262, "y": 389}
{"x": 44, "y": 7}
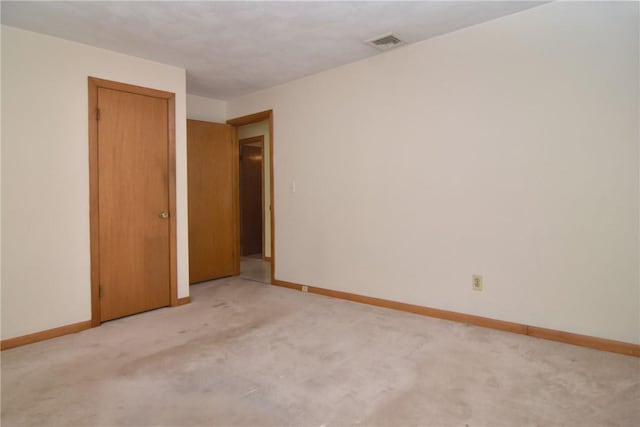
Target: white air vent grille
{"x": 385, "y": 41}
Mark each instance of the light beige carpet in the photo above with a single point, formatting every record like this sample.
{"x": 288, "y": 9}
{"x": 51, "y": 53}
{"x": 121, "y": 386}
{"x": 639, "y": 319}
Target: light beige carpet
{"x": 249, "y": 354}
{"x": 255, "y": 269}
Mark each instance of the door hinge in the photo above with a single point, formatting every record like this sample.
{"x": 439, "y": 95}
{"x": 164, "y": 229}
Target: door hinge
{"x": 97, "y": 114}
{"x": 100, "y": 291}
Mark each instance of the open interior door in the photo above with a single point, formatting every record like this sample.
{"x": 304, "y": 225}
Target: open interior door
{"x": 212, "y": 174}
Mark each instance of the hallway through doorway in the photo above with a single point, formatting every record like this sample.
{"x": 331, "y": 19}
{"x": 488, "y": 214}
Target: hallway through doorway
{"x": 254, "y": 268}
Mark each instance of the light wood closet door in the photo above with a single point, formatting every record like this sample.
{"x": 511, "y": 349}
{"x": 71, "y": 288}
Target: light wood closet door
{"x": 211, "y": 158}
{"x": 133, "y": 203}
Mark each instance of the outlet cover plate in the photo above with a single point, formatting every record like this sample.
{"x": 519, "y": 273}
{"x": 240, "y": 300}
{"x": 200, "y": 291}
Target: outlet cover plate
{"x": 476, "y": 282}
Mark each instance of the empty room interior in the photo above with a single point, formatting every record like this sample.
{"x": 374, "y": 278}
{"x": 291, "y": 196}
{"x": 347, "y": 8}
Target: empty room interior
{"x": 256, "y": 213}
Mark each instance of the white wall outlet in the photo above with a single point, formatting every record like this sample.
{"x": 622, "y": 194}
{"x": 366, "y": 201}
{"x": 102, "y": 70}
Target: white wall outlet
{"x": 476, "y": 282}
{"x": 305, "y": 288}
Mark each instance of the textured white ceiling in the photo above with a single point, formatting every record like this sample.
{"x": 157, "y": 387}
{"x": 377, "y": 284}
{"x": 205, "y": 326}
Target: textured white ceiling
{"x": 234, "y": 48}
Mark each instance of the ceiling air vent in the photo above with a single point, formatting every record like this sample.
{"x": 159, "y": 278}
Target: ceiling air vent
{"x": 386, "y": 41}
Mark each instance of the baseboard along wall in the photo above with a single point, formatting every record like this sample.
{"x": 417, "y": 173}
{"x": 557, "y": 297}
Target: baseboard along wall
{"x": 44, "y": 335}
{"x": 58, "y": 332}
{"x": 485, "y": 322}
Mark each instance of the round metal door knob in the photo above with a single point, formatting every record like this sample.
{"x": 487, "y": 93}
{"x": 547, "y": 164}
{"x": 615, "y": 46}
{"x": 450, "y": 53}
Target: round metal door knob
{"x": 164, "y": 215}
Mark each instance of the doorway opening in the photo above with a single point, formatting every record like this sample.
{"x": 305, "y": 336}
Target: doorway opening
{"x": 254, "y": 135}
{"x": 252, "y": 197}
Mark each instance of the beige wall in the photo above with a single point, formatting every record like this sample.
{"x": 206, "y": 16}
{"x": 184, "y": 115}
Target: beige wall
{"x": 507, "y": 149}
{"x": 45, "y": 174}
{"x": 206, "y": 109}
{"x": 258, "y": 129}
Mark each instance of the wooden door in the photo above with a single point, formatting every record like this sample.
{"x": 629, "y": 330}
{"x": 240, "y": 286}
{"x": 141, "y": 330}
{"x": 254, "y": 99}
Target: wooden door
{"x": 211, "y": 173}
{"x": 133, "y": 182}
{"x": 251, "y": 200}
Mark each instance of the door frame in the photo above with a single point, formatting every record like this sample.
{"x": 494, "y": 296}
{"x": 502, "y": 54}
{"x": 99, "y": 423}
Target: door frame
{"x": 236, "y": 123}
{"x": 94, "y": 217}
{"x": 258, "y": 140}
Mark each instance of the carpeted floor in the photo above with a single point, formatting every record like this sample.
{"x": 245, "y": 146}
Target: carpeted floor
{"x": 254, "y": 268}
{"x": 248, "y": 354}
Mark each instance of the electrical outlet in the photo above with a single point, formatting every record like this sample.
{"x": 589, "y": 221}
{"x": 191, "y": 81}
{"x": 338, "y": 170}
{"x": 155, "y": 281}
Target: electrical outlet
{"x": 305, "y": 289}
{"x": 476, "y": 282}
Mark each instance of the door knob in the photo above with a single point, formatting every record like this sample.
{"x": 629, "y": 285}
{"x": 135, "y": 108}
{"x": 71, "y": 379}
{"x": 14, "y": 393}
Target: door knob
{"x": 164, "y": 215}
